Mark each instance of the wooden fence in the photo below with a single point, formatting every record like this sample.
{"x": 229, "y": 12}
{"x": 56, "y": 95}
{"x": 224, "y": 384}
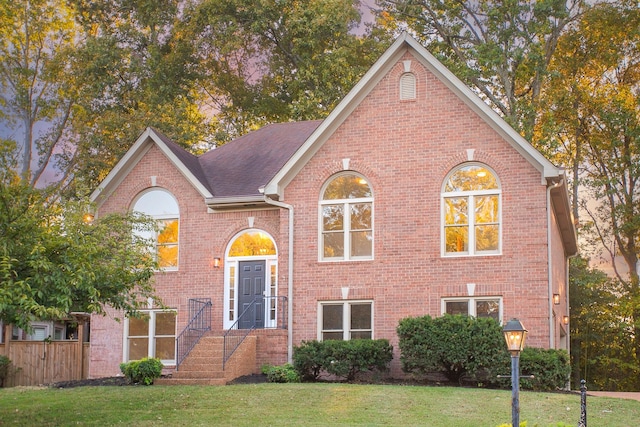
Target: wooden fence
{"x": 45, "y": 362}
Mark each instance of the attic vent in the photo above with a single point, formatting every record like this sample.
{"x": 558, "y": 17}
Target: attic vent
{"x": 408, "y": 86}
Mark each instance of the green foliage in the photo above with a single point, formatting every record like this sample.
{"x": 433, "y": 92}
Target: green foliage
{"x": 52, "y": 262}
{"x": 143, "y": 371}
{"x": 602, "y": 337}
{"x": 460, "y": 347}
{"x": 5, "y": 367}
{"x": 281, "y": 374}
{"x": 343, "y": 359}
{"x": 550, "y": 368}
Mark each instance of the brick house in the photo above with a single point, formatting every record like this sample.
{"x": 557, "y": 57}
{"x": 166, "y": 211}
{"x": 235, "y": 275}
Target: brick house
{"x": 412, "y": 197}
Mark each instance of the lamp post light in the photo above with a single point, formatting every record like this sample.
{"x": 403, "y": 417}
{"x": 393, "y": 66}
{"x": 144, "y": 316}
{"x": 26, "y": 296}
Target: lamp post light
{"x": 514, "y": 335}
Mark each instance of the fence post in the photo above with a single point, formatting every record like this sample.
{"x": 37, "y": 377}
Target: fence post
{"x": 583, "y": 404}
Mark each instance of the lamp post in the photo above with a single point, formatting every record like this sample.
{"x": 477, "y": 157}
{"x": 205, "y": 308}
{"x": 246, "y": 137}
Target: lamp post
{"x": 514, "y": 335}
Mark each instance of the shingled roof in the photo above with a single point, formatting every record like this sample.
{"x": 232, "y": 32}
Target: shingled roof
{"x": 241, "y": 167}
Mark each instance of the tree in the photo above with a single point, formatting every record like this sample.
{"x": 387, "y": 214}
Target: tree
{"x": 265, "y": 61}
{"x": 36, "y": 103}
{"x": 53, "y": 262}
{"x": 602, "y": 345}
{"x": 502, "y": 49}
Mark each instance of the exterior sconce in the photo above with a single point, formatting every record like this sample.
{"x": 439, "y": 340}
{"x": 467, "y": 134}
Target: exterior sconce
{"x": 565, "y": 320}
{"x": 216, "y": 262}
{"x": 88, "y": 218}
{"x": 556, "y": 299}
{"x": 514, "y": 335}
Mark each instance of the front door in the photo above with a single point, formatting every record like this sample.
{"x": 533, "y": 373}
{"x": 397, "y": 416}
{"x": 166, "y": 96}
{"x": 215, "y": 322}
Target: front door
{"x": 251, "y": 281}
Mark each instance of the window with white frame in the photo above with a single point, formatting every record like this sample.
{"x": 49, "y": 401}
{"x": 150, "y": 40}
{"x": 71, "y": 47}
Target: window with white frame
{"x": 471, "y": 211}
{"x": 163, "y": 207}
{"x": 346, "y": 219}
{"x": 152, "y": 335}
{"x": 474, "y": 306}
{"x": 345, "y": 320}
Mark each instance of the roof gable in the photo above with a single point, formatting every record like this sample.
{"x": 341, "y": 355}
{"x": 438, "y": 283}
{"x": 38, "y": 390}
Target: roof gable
{"x": 275, "y": 187}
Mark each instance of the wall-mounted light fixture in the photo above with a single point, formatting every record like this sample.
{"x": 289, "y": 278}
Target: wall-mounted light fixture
{"x": 216, "y": 262}
{"x": 565, "y": 320}
{"x": 556, "y": 299}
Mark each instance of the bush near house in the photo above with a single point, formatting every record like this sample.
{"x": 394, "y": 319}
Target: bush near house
{"x": 460, "y": 347}
{"x": 550, "y": 368}
{"x": 143, "y": 371}
{"x": 5, "y": 366}
{"x": 344, "y": 359}
{"x": 281, "y": 374}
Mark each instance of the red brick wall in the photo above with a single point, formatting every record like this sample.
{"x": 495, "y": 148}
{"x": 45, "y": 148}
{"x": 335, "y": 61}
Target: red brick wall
{"x": 405, "y": 149}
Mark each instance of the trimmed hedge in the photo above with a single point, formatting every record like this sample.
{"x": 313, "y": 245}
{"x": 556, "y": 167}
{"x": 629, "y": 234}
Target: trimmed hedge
{"x": 550, "y": 368}
{"x": 460, "y": 347}
{"x": 343, "y": 359}
{"x": 143, "y": 371}
{"x": 281, "y": 374}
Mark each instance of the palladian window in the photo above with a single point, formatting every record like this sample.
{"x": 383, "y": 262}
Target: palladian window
{"x": 346, "y": 219}
{"x": 471, "y": 211}
{"x": 162, "y": 206}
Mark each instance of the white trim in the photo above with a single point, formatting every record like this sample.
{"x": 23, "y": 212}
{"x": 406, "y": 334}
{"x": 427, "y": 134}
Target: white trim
{"x": 151, "y": 335}
{"x": 346, "y": 316}
{"x": 470, "y": 195}
{"x": 471, "y": 306}
{"x": 233, "y": 262}
{"x": 346, "y": 231}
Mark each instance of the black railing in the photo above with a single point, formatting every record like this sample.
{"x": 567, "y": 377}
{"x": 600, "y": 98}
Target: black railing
{"x": 200, "y": 323}
{"x": 271, "y": 314}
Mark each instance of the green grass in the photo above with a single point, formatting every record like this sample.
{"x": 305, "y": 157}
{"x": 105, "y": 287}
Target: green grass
{"x": 301, "y": 404}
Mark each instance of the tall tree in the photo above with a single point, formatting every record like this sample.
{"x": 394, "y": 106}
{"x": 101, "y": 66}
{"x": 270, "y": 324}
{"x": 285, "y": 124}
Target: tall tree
{"x": 265, "y": 61}
{"x": 36, "y": 101}
{"x": 500, "y": 48}
{"x": 54, "y": 262}
{"x": 593, "y": 116}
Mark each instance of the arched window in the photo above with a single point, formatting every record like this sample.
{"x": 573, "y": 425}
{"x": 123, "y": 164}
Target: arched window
{"x": 346, "y": 218}
{"x": 163, "y": 207}
{"x": 471, "y": 211}
{"x": 407, "y": 86}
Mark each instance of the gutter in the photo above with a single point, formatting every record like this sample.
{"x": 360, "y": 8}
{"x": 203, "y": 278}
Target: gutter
{"x": 552, "y": 332}
{"x": 289, "y": 207}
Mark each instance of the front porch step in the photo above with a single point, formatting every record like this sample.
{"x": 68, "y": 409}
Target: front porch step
{"x": 203, "y": 365}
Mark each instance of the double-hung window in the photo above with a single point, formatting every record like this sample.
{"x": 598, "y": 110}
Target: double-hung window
{"x": 346, "y": 219}
{"x": 345, "y": 320}
{"x": 474, "y": 306}
{"x": 153, "y": 335}
{"x": 163, "y": 207}
{"x": 471, "y": 212}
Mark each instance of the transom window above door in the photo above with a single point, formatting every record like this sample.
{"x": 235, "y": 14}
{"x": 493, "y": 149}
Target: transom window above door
{"x": 471, "y": 211}
{"x": 346, "y": 218}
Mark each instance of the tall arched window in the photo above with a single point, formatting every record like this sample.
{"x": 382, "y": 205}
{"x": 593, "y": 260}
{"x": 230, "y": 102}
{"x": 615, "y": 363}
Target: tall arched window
{"x": 471, "y": 211}
{"x": 163, "y": 207}
{"x": 346, "y": 218}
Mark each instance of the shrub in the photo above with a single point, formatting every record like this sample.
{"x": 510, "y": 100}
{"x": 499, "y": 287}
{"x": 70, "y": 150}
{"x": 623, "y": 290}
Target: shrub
{"x": 550, "y": 368}
{"x": 143, "y": 371}
{"x": 5, "y": 367}
{"x": 344, "y": 359}
{"x": 457, "y": 346}
{"x": 281, "y": 374}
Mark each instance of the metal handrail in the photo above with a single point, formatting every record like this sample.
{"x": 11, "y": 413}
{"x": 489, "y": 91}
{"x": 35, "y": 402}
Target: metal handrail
{"x": 199, "y": 324}
{"x": 234, "y": 336}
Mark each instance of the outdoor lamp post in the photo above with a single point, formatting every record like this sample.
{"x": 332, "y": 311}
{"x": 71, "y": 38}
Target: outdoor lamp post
{"x": 514, "y": 335}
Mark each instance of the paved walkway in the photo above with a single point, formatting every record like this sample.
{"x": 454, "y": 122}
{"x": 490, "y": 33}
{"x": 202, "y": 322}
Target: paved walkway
{"x": 616, "y": 394}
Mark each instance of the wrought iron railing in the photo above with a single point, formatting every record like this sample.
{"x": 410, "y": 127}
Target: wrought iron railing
{"x": 272, "y": 310}
{"x": 200, "y": 323}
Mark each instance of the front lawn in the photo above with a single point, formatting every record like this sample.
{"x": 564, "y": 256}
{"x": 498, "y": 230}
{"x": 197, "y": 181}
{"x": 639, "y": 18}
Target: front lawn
{"x": 302, "y": 404}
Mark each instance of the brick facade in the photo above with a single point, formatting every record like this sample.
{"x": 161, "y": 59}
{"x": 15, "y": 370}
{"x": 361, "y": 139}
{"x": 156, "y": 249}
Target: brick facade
{"x": 405, "y": 149}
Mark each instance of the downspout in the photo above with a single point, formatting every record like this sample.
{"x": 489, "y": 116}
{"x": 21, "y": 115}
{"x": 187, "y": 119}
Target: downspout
{"x": 552, "y": 331}
{"x": 290, "y": 276}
